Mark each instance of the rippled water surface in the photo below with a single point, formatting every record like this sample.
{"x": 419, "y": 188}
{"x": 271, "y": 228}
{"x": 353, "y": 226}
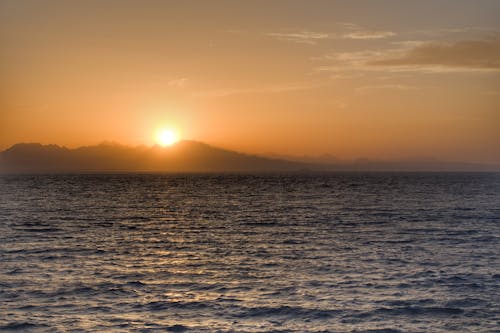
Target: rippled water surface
{"x": 250, "y": 253}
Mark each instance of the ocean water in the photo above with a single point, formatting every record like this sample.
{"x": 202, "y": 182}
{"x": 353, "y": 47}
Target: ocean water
{"x": 361, "y": 252}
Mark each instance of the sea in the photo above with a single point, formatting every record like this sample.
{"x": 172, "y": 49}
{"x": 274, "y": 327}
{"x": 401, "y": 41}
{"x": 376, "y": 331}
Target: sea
{"x": 295, "y": 252}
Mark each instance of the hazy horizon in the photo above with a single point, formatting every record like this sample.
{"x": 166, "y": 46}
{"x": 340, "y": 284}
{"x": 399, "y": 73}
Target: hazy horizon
{"x": 194, "y": 156}
{"x": 327, "y": 158}
{"x": 384, "y": 80}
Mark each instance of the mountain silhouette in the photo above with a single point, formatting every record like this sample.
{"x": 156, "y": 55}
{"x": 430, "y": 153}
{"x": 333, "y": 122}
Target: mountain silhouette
{"x": 193, "y": 156}
{"x": 185, "y": 156}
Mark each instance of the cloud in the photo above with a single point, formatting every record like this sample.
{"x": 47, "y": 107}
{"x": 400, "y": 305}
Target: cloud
{"x": 413, "y": 56}
{"x": 346, "y": 61}
{"x": 304, "y": 37}
{"x": 273, "y": 89}
{"x": 313, "y": 37}
{"x": 400, "y": 87}
{"x": 356, "y": 31}
{"x": 470, "y": 31}
{"x": 369, "y": 34}
{"x": 179, "y": 82}
{"x": 346, "y": 76}
{"x": 473, "y": 54}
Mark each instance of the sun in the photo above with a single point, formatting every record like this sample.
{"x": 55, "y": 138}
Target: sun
{"x": 166, "y": 137}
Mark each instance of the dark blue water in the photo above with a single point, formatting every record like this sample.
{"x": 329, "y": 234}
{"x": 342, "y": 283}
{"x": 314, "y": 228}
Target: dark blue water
{"x": 250, "y": 253}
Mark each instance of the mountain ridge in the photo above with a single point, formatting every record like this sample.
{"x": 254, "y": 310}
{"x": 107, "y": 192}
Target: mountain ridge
{"x": 185, "y": 156}
{"x": 191, "y": 156}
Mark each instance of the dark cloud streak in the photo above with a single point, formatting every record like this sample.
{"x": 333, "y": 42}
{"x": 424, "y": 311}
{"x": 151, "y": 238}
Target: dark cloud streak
{"x": 479, "y": 54}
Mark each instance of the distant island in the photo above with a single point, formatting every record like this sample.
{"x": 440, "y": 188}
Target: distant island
{"x": 192, "y": 156}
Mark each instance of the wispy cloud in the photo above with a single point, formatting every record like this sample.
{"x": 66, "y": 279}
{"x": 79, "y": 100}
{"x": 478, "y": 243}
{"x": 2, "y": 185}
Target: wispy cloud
{"x": 470, "y": 32}
{"x": 356, "y": 31}
{"x": 346, "y": 61}
{"x": 483, "y": 54}
{"x": 352, "y": 31}
{"x": 365, "y": 34}
{"x": 179, "y": 82}
{"x": 271, "y": 89}
{"x": 472, "y": 55}
{"x": 304, "y": 37}
{"x": 400, "y": 87}
{"x": 346, "y": 76}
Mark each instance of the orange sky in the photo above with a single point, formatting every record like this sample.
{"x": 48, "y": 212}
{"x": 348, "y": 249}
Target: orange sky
{"x": 375, "y": 79}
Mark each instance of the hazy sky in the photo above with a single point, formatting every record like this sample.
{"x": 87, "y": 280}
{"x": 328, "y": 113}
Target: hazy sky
{"x": 376, "y": 79}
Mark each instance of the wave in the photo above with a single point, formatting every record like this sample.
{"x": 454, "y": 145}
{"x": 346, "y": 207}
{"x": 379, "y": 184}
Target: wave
{"x": 286, "y": 311}
{"x": 21, "y": 326}
{"x": 415, "y": 311}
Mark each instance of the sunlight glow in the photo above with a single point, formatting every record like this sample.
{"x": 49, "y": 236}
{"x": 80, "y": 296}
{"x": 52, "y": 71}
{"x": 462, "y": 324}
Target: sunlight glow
{"x": 166, "y": 137}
